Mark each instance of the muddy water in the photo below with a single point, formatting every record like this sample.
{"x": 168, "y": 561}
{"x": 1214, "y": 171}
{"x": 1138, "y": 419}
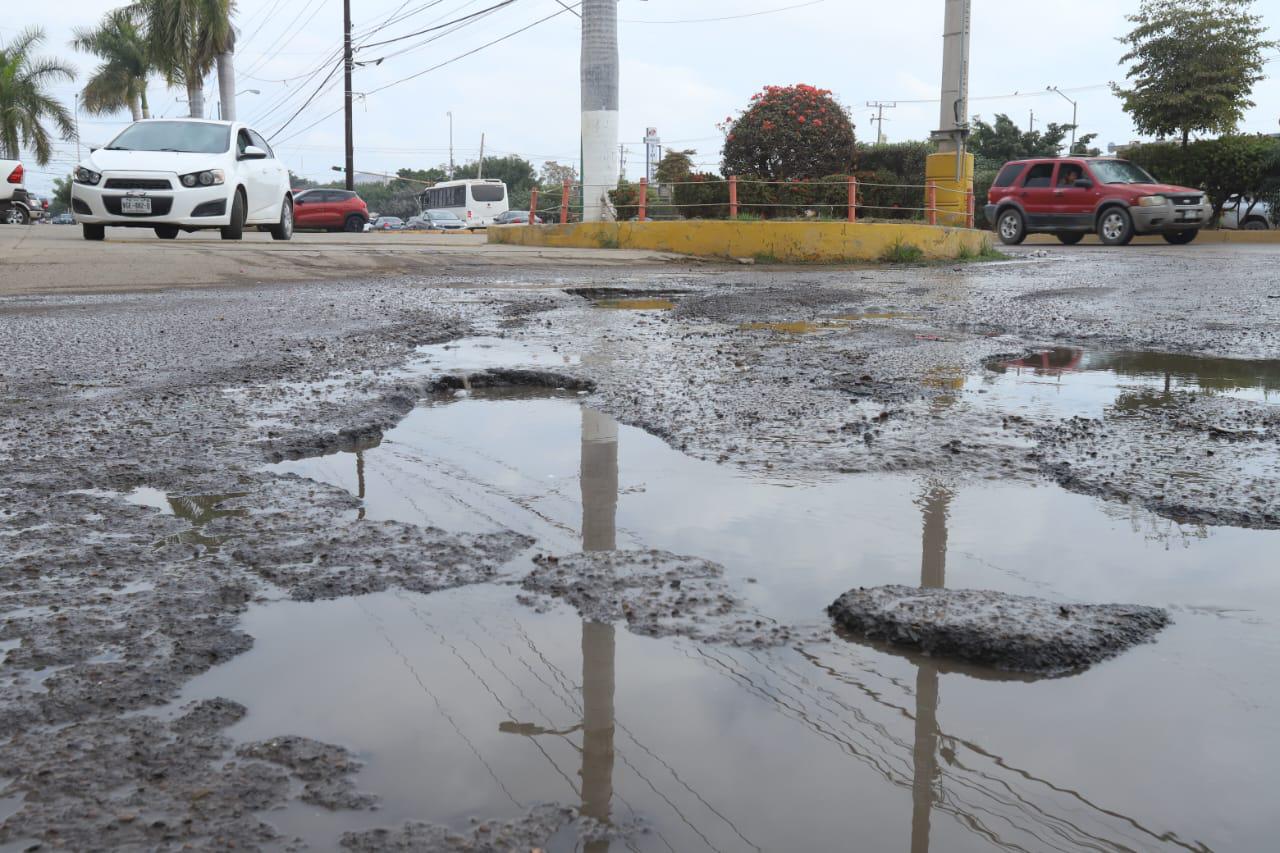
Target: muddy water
{"x": 467, "y": 704}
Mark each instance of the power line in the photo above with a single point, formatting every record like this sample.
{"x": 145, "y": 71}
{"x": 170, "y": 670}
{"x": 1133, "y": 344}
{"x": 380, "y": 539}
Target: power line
{"x": 477, "y": 14}
{"x": 437, "y": 66}
{"x": 725, "y": 17}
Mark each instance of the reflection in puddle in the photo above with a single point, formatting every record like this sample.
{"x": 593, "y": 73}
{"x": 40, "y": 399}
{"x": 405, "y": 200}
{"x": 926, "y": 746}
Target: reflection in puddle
{"x": 1069, "y": 381}
{"x": 722, "y": 748}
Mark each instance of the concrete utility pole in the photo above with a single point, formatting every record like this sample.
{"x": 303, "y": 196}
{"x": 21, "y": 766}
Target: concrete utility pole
{"x": 450, "y": 115}
{"x": 880, "y": 107}
{"x": 1031, "y": 123}
{"x": 480, "y": 167}
{"x": 346, "y": 76}
{"x": 599, "y": 106}
{"x": 951, "y": 169}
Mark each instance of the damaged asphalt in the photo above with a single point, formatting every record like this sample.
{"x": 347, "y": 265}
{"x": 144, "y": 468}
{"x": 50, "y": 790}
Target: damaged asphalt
{"x": 108, "y": 607}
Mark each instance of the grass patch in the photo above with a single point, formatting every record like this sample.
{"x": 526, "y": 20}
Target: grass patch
{"x": 749, "y": 217}
{"x": 608, "y": 242}
{"x": 899, "y": 252}
{"x": 986, "y": 253}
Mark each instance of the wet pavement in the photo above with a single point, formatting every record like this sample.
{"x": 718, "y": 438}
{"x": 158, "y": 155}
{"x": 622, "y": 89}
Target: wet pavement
{"x": 525, "y": 564}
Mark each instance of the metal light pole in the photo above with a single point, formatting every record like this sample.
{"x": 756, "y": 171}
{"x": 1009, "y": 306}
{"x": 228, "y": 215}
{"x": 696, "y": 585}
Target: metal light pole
{"x": 238, "y": 94}
{"x": 346, "y": 100}
{"x": 1074, "y": 105}
{"x": 450, "y": 115}
{"x": 77, "y": 115}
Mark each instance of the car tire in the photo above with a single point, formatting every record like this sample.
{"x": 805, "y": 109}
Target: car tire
{"x": 1255, "y": 223}
{"x": 1180, "y": 238}
{"x": 1070, "y": 238}
{"x": 284, "y": 229}
{"x": 235, "y": 230}
{"x": 1115, "y": 227}
{"x": 15, "y": 215}
{"x": 94, "y": 232}
{"x": 1011, "y": 227}
{"x": 353, "y": 225}
{"x": 167, "y": 232}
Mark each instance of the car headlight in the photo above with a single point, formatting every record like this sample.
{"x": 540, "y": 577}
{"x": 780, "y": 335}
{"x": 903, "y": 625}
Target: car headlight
{"x": 1151, "y": 201}
{"x": 207, "y": 178}
{"x": 87, "y": 176}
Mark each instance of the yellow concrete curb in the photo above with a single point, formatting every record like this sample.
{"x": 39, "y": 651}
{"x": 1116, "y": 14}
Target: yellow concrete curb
{"x": 786, "y": 242}
{"x": 1271, "y": 237}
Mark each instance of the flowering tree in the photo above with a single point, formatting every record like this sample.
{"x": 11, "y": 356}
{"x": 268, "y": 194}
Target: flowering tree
{"x": 789, "y": 132}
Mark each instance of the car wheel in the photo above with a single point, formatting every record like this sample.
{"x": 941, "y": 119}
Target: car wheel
{"x": 94, "y": 232}
{"x": 353, "y": 225}
{"x": 1115, "y": 226}
{"x": 284, "y": 230}
{"x": 1180, "y": 238}
{"x": 1070, "y": 238}
{"x": 167, "y": 232}
{"x": 235, "y": 230}
{"x": 1011, "y": 227}
{"x": 1255, "y": 224}
{"x": 16, "y": 216}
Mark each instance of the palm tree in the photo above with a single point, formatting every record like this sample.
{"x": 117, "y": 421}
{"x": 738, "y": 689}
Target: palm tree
{"x": 25, "y": 102}
{"x": 187, "y": 38}
{"x": 121, "y": 80}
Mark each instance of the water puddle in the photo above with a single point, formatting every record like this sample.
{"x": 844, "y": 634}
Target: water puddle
{"x": 466, "y": 703}
{"x": 1067, "y": 381}
{"x": 196, "y": 510}
{"x": 482, "y": 353}
{"x": 636, "y": 304}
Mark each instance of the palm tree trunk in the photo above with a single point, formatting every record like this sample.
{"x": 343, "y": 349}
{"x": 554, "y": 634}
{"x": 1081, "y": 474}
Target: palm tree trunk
{"x": 135, "y": 104}
{"x": 195, "y": 95}
{"x": 227, "y": 84}
{"x": 142, "y": 100}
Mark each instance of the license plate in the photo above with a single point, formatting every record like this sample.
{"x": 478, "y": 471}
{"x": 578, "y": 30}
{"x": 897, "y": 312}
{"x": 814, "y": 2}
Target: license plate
{"x": 133, "y": 204}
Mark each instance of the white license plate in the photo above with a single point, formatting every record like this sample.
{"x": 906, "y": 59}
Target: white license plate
{"x": 131, "y": 204}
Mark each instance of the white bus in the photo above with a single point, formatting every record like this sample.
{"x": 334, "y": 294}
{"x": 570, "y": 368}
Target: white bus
{"x": 474, "y": 201}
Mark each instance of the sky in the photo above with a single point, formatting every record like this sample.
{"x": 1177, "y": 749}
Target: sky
{"x": 681, "y": 73}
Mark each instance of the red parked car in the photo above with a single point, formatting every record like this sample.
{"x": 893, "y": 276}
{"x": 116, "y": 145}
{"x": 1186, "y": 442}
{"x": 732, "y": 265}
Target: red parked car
{"x": 330, "y": 210}
{"x": 1070, "y": 197}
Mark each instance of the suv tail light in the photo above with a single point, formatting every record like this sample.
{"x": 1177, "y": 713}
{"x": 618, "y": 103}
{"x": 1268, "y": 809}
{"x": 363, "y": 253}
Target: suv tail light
{"x": 468, "y": 214}
{"x": 15, "y": 177}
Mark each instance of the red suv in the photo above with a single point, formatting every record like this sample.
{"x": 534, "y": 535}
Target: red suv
{"x": 1073, "y": 196}
{"x": 331, "y": 210}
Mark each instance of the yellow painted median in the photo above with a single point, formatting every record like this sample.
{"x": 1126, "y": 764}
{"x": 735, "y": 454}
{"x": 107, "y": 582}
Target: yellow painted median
{"x": 784, "y": 242}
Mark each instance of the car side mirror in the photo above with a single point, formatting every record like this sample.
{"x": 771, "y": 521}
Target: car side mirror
{"x": 1083, "y": 184}
{"x": 298, "y": 201}
{"x": 253, "y": 152}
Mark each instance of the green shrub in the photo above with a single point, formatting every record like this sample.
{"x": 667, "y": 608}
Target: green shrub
{"x": 789, "y": 132}
{"x": 905, "y": 159}
{"x": 702, "y": 196}
{"x": 899, "y": 252}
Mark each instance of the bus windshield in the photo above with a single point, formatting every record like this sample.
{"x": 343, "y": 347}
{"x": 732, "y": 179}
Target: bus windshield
{"x": 488, "y": 192}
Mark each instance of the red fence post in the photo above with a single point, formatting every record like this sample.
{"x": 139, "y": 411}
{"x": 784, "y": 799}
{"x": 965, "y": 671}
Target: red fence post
{"x": 533, "y": 205}
{"x": 564, "y": 204}
{"x": 931, "y": 203}
{"x": 644, "y": 193}
{"x": 968, "y": 205}
{"x": 853, "y": 199}
{"x": 733, "y": 196}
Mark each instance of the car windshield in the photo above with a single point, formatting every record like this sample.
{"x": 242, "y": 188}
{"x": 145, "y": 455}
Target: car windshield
{"x": 441, "y": 214}
{"x": 1120, "y": 172}
{"x": 185, "y": 136}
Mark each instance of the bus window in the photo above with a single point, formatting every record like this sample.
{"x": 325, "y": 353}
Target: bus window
{"x": 488, "y": 192}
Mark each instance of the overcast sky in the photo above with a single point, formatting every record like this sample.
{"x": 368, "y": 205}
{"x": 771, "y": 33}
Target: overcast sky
{"x": 680, "y": 74}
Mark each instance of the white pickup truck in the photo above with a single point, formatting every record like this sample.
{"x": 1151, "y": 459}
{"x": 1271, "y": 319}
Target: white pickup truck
{"x": 16, "y": 207}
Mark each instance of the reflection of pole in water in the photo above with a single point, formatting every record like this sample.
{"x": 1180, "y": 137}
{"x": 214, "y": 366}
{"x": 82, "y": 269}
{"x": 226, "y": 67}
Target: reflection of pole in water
{"x": 934, "y": 506}
{"x": 360, "y": 481}
{"x": 599, "y": 482}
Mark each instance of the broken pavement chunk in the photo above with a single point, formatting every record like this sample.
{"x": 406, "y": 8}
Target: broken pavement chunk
{"x": 1010, "y": 632}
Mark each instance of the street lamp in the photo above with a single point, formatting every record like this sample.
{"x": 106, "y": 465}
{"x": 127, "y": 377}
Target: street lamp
{"x": 238, "y": 94}
{"x": 1073, "y": 115}
{"x": 450, "y": 115}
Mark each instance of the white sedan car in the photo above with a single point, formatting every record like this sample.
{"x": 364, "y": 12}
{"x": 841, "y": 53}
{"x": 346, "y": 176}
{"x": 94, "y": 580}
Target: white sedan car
{"x": 184, "y": 175}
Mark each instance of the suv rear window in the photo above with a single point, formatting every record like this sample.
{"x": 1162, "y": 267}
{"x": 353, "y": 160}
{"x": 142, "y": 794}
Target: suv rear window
{"x": 1008, "y": 175}
{"x": 1039, "y": 175}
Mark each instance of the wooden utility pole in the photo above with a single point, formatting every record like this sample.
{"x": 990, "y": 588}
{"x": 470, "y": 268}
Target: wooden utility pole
{"x": 346, "y": 74}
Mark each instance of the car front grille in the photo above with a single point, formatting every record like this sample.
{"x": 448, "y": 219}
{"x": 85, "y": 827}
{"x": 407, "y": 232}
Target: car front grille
{"x": 160, "y": 206}
{"x": 137, "y": 184}
{"x": 1186, "y": 199}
